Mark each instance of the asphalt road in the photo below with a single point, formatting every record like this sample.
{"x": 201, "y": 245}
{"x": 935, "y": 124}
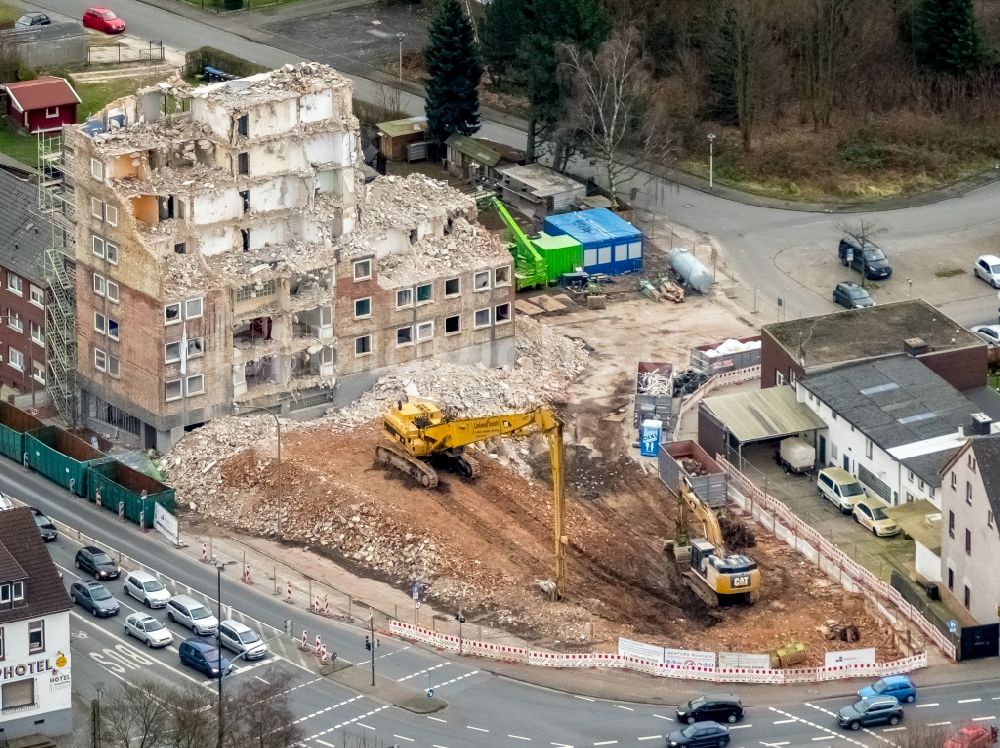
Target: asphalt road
{"x": 478, "y": 708}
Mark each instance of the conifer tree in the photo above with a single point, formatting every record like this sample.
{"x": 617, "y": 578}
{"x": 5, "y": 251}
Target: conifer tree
{"x": 453, "y": 69}
{"x": 946, "y": 37}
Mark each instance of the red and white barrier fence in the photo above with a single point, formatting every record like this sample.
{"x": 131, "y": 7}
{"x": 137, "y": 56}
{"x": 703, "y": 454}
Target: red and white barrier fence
{"x": 687, "y": 672}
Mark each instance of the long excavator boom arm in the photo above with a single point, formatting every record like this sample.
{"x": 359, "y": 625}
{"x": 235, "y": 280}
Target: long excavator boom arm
{"x": 705, "y": 515}
{"x": 461, "y": 432}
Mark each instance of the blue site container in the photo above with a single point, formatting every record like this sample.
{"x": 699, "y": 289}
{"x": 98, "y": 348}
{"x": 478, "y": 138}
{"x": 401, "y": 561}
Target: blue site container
{"x": 611, "y": 244}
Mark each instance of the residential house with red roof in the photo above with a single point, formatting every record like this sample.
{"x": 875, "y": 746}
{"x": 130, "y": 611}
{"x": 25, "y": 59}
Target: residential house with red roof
{"x": 40, "y": 105}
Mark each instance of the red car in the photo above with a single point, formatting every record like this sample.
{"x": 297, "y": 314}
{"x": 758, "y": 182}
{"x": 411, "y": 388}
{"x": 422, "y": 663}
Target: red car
{"x": 102, "y": 19}
{"x": 973, "y": 736}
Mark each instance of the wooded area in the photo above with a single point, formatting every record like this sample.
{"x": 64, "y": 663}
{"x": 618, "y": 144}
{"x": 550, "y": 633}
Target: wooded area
{"x": 808, "y": 98}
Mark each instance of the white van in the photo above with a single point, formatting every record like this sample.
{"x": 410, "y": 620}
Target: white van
{"x": 840, "y": 487}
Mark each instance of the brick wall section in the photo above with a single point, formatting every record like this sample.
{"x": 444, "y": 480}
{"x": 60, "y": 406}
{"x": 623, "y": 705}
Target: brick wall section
{"x": 386, "y": 319}
{"x": 14, "y": 303}
{"x": 963, "y": 369}
{"x": 775, "y": 359}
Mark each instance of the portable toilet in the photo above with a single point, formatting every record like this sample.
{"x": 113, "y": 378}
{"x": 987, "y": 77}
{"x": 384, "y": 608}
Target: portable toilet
{"x": 611, "y": 244}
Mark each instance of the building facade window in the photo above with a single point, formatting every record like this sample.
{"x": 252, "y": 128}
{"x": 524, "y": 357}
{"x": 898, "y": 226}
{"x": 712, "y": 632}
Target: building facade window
{"x": 967, "y": 597}
{"x": 425, "y": 293}
{"x": 14, "y": 321}
{"x": 989, "y": 518}
{"x": 100, "y": 360}
{"x": 363, "y": 345}
{"x": 452, "y": 287}
{"x": 452, "y": 325}
{"x": 362, "y": 270}
{"x": 97, "y": 170}
{"x": 404, "y": 336}
{"x": 425, "y": 331}
{"x": 481, "y": 281}
{"x": 172, "y": 390}
{"x": 195, "y": 347}
{"x": 113, "y": 329}
{"x": 111, "y": 215}
{"x": 15, "y": 284}
{"x": 100, "y": 323}
{"x": 501, "y": 276}
{"x": 502, "y": 314}
{"x": 18, "y": 694}
{"x": 97, "y": 246}
{"x": 869, "y": 448}
{"x": 38, "y": 371}
{"x": 482, "y": 319}
{"x": 97, "y": 209}
{"x": 404, "y": 298}
{"x": 2, "y": 648}
{"x": 112, "y": 292}
{"x": 195, "y": 384}
{"x": 968, "y": 542}
{"x": 171, "y": 353}
{"x": 15, "y": 359}
{"x": 951, "y": 524}
{"x": 968, "y": 492}
{"x": 954, "y": 480}
{"x": 36, "y": 637}
{"x": 363, "y": 308}
{"x": 972, "y": 461}
{"x": 37, "y": 296}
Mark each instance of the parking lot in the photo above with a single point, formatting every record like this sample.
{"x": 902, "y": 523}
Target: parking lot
{"x": 799, "y": 493}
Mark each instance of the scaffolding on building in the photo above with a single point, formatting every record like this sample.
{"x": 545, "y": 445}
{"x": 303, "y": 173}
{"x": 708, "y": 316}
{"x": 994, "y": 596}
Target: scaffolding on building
{"x": 55, "y": 204}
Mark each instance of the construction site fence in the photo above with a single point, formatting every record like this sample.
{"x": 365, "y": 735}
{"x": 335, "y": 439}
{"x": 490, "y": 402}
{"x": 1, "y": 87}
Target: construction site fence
{"x": 525, "y": 656}
{"x": 779, "y": 520}
{"x": 737, "y": 376}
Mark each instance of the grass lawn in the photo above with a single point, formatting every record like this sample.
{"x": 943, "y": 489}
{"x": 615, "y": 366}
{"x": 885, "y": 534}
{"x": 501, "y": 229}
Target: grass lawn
{"x": 9, "y": 12}
{"x": 94, "y": 96}
{"x": 17, "y": 144}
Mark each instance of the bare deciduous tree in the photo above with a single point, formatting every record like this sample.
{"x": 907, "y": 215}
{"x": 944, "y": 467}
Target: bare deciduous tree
{"x": 610, "y": 108}
{"x": 194, "y": 718}
{"x": 136, "y": 716}
{"x": 259, "y": 715}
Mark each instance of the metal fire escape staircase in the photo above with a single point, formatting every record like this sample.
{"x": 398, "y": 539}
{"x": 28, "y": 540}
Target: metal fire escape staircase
{"x": 55, "y": 205}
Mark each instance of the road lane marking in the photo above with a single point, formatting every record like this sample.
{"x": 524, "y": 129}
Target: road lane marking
{"x": 982, "y": 719}
{"x": 436, "y": 719}
{"x": 584, "y": 698}
{"x": 327, "y": 709}
{"x": 819, "y": 727}
{"x": 422, "y": 672}
{"x": 660, "y": 716}
{"x": 775, "y": 745}
{"x": 367, "y": 727}
{"x": 969, "y": 701}
{"x": 518, "y": 737}
{"x": 938, "y": 724}
{"x": 924, "y": 706}
{"x": 739, "y": 727}
{"x": 454, "y": 680}
{"x": 607, "y": 742}
{"x": 651, "y": 737}
{"x": 824, "y": 737}
{"x": 266, "y": 683}
{"x": 477, "y": 729}
{"x": 403, "y": 737}
{"x": 784, "y": 721}
{"x": 893, "y": 729}
{"x": 626, "y": 708}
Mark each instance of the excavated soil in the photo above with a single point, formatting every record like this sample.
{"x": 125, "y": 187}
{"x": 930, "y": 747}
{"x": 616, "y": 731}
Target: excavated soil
{"x": 485, "y": 545}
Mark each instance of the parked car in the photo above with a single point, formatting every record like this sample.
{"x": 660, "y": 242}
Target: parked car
{"x": 989, "y": 333}
{"x": 865, "y": 255}
{"x": 46, "y": 528}
{"x": 973, "y": 736}
{"x": 147, "y": 629}
{"x": 899, "y": 686}
{"x": 840, "y": 487}
{"x": 103, "y": 19}
{"x": 95, "y": 597}
{"x": 190, "y": 613}
{"x": 147, "y": 589}
{"x": 204, "y": 657}
{"x": 93, "y": 560}
{"x": 852, "y": 296}
{"x": 870, "y": 513}
{"x": 700, "y": 735}
{"x": 241, "y": 639}
{"x": 987, "y": 267}
{"x": 31, "y": 19}
{"x": 714, "y": 707}
{"x": 875, "y": 710}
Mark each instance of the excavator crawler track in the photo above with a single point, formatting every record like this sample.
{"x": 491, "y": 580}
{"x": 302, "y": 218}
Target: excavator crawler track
{"x": 417, "y": 469}
{"x": 468, "y": 467}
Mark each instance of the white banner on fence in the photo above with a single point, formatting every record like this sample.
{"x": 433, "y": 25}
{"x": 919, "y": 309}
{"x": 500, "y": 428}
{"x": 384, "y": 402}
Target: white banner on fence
{"x": 850, "y": 657}
{"x": 165, "y": 522}
{"x": 744, "y": 660}
{"x": 631, "y": 648}
{"x": 688, "y": 658}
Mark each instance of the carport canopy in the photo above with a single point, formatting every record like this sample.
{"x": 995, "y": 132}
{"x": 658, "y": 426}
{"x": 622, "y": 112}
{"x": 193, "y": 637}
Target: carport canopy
{"x": 912, "y": 519}
{"x": 758, "y": 415}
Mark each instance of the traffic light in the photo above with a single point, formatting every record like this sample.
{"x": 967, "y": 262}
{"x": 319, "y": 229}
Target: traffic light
{"x": 368, "y": 644}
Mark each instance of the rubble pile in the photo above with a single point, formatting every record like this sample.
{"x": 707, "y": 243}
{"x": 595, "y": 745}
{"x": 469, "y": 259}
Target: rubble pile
{"x": 653, "y": 383}
{"x": 545, "y": 361}
{"x": 467, "y": 247}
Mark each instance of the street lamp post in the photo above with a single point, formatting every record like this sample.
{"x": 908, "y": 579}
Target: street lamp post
{"x": 280, "y": 482}
{"x": 219, "y": 568}
{"x": 711, "y": 159}
{"x": 371, "y": 626}
{"x": 401, "y": 35}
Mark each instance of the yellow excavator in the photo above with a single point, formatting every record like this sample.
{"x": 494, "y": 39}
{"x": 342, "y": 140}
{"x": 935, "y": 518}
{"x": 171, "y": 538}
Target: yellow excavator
{"x": 420, "y": 434}
{"x": 712, "y": 575}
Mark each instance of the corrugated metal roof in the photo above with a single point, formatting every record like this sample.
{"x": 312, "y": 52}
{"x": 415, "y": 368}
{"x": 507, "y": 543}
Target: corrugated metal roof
{"x": 475, "y": 149}
{"x": 399, "y": 127}
{"x": 763, "y": 414}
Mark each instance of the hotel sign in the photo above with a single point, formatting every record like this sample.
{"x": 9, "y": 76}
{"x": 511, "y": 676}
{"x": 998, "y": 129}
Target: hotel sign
{"x": 34, "y": 667}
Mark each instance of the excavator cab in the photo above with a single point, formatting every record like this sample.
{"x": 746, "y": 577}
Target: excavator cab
{"x": 733, "y": 578}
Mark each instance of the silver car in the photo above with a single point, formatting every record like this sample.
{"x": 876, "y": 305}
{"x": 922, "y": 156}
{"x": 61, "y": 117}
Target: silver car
{"x": 147, "y": 629}
{"x": 147, "y": 589}
{"x": 191, "y": 614}
{"x": 241, "y": 639}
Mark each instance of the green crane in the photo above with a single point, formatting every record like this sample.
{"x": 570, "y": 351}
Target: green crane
{"x": 529, "y": 266}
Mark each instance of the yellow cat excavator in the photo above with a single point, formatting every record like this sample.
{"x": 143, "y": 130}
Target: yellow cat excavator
{"x": 421, "y": 434}
{"x": 712, "y": 575}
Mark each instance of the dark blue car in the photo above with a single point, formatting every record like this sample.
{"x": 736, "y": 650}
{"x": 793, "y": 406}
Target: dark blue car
{"x": 204, "y": 657}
